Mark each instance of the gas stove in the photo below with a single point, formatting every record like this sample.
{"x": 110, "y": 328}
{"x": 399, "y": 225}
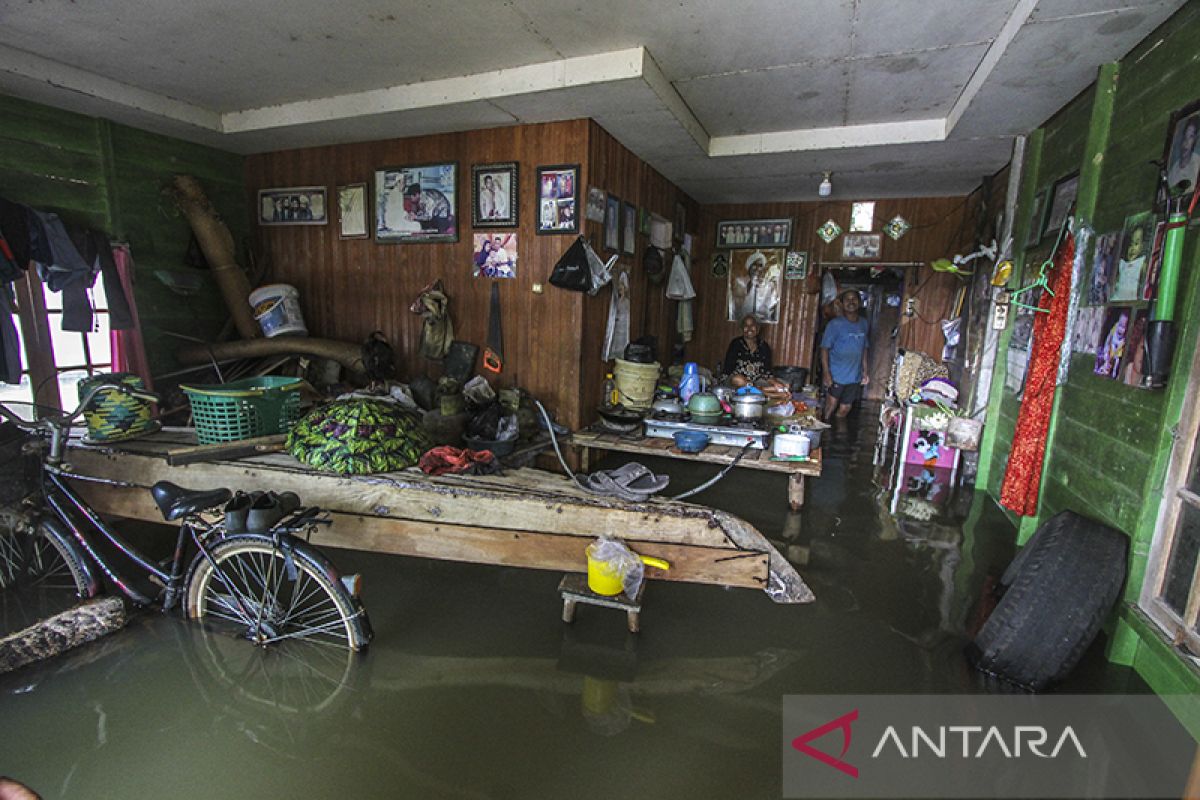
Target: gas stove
{"x": 734, "y": 434}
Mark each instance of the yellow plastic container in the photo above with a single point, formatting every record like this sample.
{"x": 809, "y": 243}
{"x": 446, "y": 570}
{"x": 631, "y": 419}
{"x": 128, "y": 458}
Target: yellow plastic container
{"x": 605, "y": 577}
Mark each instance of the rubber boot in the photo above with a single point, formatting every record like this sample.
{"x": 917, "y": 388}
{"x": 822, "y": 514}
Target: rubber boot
{"x": 264, "y": 512}
{"x": 235, "y": 513}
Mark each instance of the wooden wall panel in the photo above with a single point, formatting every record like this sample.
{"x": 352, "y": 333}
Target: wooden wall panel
{"x": 942, "y": 226}
{"x": 349, "y": 288}
{"x": 616, "y": 170}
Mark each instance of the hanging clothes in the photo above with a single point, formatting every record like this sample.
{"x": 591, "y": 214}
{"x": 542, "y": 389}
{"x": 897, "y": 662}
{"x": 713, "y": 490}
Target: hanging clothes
{"x": 616, "y": 337}
{"x": 1023, "y": 477}
{"x": 685, "y": 320}
{"x": 128, "y": 347}
{"x": 437, "y": 332}
{"x": 10, "y": 345}
{"x": 96, "y": 250}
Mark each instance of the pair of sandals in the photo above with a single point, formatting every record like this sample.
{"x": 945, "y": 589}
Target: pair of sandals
{"x": 258, "y": 512}
{"x": 633, "y": 481}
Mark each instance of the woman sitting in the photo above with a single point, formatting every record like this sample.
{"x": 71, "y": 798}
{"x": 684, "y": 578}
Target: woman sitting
{"x": 748, "y": 358}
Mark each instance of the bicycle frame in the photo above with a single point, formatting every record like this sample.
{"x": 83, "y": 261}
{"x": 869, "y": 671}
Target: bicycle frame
{"x": 56, "y": 491}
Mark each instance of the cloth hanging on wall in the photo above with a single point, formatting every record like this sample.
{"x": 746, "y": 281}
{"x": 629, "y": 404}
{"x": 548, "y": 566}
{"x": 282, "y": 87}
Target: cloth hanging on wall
{"x": 1023, "y": 477}
{"x": 616, "y": 337}
{"x": 128, "y": 346}
{"x": 10, "y": 345}
{"x": 437, "y": 333}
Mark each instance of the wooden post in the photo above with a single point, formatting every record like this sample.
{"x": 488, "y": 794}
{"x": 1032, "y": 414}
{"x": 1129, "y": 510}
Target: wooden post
{"x": 796, "y": 491}
{"x": 71, "y": 628}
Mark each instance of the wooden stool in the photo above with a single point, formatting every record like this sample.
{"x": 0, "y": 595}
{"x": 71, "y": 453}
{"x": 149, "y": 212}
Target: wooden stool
{"x": 574, "y": 589}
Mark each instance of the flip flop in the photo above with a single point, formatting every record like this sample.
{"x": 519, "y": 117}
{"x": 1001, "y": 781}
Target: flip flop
{"x": 633, "y": 482}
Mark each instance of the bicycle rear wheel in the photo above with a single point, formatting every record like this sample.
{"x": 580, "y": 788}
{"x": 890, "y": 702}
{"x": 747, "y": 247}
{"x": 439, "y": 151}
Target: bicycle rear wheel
{"x": 41, "y": 574}
{"x": 245, "y": 586}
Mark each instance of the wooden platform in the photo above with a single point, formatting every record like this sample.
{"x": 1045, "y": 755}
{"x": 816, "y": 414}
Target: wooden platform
{"x": 524, "y": 517}
{"x": 796, "y": 471}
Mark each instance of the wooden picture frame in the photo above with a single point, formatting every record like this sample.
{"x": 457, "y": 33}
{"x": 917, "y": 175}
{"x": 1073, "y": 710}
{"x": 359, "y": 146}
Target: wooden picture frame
{"x": 612, "y": 223}
{"x": 628, "y": 229}
{"x": 352, "y": 211}
{"x": 494, "y": 196}
{"x": 558, "y": 199}
{"x": 293, "y": 205}
{"x": 735, "y": 233}
{"x": 1181, "y": 153}
{"x": 417, "y": 204}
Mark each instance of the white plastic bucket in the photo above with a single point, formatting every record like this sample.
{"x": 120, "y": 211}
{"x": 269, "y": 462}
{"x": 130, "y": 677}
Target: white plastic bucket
{"x": 277, "y": 309}
{"x": 790, "y": 445}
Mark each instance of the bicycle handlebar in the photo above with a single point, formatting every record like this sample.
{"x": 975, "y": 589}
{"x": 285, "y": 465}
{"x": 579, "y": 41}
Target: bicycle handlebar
{"x": 63, "y": 420}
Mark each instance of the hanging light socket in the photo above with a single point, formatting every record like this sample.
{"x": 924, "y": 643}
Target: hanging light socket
{"x": 826, "y": 187}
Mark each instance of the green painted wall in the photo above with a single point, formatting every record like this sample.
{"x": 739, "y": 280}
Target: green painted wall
{"x": 1110, "y": 443}
{"x": 111, "y": 177}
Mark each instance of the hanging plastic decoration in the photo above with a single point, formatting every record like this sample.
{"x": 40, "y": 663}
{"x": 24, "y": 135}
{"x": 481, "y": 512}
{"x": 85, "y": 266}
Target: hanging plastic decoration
{"x": 897, "y": 227}
{"x": 829, "y": 231}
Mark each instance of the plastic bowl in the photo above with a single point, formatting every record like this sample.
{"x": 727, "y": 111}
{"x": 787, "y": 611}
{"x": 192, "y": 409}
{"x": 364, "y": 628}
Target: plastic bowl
{"x": 691, "y": 441}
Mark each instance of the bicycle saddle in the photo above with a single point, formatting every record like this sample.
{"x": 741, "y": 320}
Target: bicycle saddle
{"x": 175, "y": 501}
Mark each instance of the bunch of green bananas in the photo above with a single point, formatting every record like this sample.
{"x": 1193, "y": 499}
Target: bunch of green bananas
{"x": 359, "y": 436}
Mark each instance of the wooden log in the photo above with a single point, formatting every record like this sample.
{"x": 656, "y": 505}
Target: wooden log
{"x": 346, "y": 354}
{"x": 73, "y": 627}
{"x": 217, "y": 244}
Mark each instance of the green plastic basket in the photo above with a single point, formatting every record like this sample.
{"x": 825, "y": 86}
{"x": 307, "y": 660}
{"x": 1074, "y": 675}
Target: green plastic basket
{"x": 244, "y": 409}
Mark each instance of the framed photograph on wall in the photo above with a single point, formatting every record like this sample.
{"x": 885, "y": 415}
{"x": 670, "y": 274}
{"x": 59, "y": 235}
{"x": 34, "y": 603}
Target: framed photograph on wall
{"x": 612, "y": 223}
{"x": 494, "y": 195}
{"x": 417, "y": 204}
{"x": 1182, "y": 153}
{"x": 1037, "y": 216}
{"x": 595, "y": 204}
{"x": 293, "y": 205}
{"x": 558, "y": 199}
{"x": 758, "y": 232}
{"x": 494, "y": 255}
{"x": 352, "y": 211}
{"x": 754, "y": 285}
{"x": 1137, "y": 238}
{"x": 628, "y": 229}
{"x": 862, "y": 245}
{"x": 1062, "y": 199}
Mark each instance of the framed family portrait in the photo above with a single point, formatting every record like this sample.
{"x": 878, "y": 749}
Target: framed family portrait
{"x": 758, "y": 232}
{"x": 558, "y": 199}
{"x": 352, "y": 211}
{"x": 294, "y": 205}
{"x": 628, "y": 229}
{"x": 494, "y": 195}
{"x": 612, "y": 223}
{"x": 1062, "y": 198}
{"x": 494, "y": 255}
{"x": 1181, "y": 155}
{"x": 417, "y": 204}
{"x": 862, "y": 245}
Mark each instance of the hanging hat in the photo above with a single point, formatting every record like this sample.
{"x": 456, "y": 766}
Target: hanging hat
{"x": 652, "y": 263}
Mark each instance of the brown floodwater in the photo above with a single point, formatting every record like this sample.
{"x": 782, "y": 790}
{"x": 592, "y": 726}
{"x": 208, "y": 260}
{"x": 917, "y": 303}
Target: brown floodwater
{"x": 474, "y": 687}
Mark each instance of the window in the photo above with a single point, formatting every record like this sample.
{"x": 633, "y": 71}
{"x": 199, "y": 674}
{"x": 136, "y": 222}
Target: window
{"x": 1171, "y": 592}
{"x": 70, "y": 358}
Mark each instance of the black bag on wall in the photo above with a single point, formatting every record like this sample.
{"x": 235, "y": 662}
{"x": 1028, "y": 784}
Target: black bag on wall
{"x": 572, "y": 270}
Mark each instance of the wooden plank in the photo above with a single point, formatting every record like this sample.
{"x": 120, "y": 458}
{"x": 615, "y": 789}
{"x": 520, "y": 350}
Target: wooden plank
{"x": 519, "y": 500}
{"x": 480, "y": 545}
{"x": 710, "y": 455}
{"x": 226, "y": 450}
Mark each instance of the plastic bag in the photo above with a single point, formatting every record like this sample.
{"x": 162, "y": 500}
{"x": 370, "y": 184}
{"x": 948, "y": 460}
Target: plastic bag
{"x": 621, "y": 562}
{"x": 479, "y": 392}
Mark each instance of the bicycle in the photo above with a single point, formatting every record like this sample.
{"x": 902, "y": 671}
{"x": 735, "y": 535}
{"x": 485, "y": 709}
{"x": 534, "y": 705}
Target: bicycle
{"x": 269, "y": 586}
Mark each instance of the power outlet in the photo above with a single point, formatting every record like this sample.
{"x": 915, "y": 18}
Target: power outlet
{"x": 910, "y": 307}
{"x": 999, "y": 316}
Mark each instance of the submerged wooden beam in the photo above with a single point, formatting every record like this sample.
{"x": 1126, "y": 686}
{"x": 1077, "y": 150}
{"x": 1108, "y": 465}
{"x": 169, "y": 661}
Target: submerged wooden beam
{"x": 526, "y": 517}
{"x": 71, "y": 628}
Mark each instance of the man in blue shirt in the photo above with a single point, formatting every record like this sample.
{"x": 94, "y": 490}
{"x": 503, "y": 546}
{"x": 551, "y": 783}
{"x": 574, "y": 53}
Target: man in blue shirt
{"x": 844, "y": 356}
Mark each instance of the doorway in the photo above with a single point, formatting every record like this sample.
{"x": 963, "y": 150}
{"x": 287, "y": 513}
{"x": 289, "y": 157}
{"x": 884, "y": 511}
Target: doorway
{"x": 882, "y": 293}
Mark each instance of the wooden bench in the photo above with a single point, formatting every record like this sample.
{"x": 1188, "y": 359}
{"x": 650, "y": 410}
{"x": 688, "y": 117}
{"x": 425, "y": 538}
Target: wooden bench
{"x": 796, "y": 471}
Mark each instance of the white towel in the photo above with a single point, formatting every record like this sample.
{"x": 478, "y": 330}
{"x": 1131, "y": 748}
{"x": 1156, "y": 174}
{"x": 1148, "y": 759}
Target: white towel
{"x": 679, "y": 285}
{"x": 616, "y": 338}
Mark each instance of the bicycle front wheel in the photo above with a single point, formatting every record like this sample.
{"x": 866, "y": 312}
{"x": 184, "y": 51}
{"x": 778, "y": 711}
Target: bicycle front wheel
{"x": 245, "y": 584}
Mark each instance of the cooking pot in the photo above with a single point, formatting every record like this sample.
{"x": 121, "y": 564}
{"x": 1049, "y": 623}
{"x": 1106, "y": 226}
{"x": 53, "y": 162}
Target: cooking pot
{"x": 749, "y": 407}
{"x": 791, "y": 445}
{"x": 667, "y": 405}
{"x": 704, "y": 404}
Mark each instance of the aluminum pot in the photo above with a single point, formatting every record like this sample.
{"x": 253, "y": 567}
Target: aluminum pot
{"x": 749, "y": 407}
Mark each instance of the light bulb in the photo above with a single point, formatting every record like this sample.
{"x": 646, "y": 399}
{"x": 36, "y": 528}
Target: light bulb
{"x": 826, "y": 187}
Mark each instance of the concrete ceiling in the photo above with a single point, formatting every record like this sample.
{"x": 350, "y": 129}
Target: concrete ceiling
{"x": 733, "y": 101}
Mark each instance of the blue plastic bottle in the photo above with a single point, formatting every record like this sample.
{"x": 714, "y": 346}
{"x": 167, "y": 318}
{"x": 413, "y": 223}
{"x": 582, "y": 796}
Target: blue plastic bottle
{"x": 689, "y": 384}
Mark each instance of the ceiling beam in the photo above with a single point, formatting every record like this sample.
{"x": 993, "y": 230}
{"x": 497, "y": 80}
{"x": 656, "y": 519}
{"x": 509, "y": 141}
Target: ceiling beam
{"x": 566, "y": 73}
{"x": 880, "y": 133}
{"x": 1012, "y": 26}
{"x": 89, "y": 84}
